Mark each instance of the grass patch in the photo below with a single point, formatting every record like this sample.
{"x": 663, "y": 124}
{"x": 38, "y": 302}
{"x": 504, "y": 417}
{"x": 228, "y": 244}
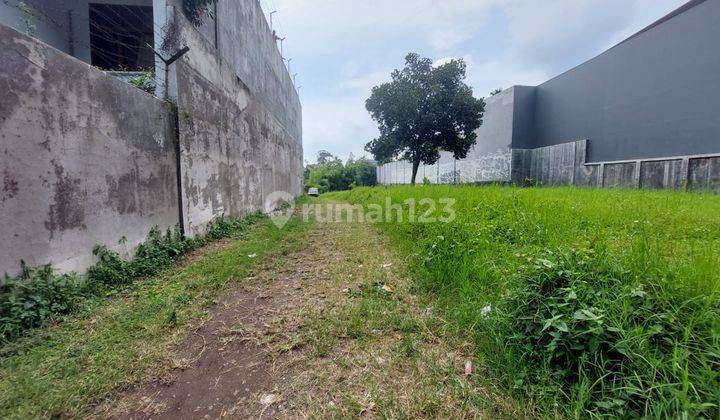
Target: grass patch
{"x": 110, "y": 342}
{"x": 372, "y": 348}
{"x": 587, "y": 302}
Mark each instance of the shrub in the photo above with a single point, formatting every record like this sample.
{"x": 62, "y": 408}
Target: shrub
{"x": 576, "y": 318}
{"x": 333, "y": 175}
{"x": 27, "y": 300}
{"x": 145, "y": 81}
{"x": 36, "y": 295}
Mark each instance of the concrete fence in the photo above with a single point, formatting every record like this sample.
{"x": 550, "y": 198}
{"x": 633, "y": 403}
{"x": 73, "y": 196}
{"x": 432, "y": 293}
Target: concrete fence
{"x": 566, "y": 164}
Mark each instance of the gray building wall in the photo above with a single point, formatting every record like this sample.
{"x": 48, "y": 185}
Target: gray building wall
{"x": 656, "y": 94}
{"x": 85, "y": 159}
{"x": 50, "y": 26}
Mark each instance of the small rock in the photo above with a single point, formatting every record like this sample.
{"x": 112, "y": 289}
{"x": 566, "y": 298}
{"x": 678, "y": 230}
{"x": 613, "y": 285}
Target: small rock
{"x": 270, "y": 399}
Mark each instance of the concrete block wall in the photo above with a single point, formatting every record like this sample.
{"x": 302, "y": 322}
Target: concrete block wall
{"x": 566, "y": 164}
{"x": 85, "y": 159}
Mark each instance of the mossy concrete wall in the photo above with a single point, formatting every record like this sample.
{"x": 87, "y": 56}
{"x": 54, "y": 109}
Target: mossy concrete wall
{"x": 88, "y": 159}
{"x": 239, "y": 116}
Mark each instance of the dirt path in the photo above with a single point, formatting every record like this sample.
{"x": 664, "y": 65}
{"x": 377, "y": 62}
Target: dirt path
{"x": 329, "y": 331}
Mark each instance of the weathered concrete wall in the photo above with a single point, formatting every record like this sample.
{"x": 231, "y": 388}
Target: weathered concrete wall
{"x": 566, "y": 164}
{"x": 85, "y": 159}
{"x": 238, "y": 144}
{"x": 246, "y": 41}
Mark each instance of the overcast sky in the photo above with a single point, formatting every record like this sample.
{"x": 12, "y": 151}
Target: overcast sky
{"x": 340, "y": 49}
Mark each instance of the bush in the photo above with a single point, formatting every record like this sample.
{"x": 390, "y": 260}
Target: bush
{"x": 145, "y": 81}
{"x": 577, "y": 319}
{"x": 36, "y": 295}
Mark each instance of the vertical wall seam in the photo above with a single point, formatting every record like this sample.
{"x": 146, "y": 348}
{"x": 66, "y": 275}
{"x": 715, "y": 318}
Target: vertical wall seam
{"x": 178, "y": 167}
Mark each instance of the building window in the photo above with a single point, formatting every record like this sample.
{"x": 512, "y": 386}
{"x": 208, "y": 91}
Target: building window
{"x": 121, "y": 37}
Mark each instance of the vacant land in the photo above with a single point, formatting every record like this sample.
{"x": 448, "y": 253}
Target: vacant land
{"x": 566, "y": 302}
{"x": 585, "y": 301}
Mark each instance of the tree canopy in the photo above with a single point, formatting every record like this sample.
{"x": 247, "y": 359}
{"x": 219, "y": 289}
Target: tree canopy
{"x": 330, "y": 174}
{"x": 425, "y": 109}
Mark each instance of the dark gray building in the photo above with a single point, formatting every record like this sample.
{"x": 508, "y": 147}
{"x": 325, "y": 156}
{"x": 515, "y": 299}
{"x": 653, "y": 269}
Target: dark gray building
{"x": 644, "y": 113}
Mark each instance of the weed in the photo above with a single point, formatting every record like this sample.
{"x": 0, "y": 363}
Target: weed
{"x": 38, "y": 294}
{"x": 587, "y": 302}
{"x": 104, "y": 345}
{"x": 145, "y": 81}
{"x": 34, "y": 296}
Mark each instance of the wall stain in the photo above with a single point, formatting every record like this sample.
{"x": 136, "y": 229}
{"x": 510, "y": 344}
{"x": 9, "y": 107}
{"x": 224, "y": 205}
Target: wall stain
{"x": 15, "y": 76}
{"x": 67, "y": 212}
{"x": 10, "y": 186}
{"x": 121, "y": 192}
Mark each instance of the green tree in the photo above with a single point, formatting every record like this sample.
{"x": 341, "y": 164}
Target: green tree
{"x": 424, "y": 110}
{"x": 325, "y": 157}
{"x": 330, "y": 174}
{"x": 362, "y": 171}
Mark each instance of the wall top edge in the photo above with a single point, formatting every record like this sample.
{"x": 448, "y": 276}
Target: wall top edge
{"x": 659, "y": 159}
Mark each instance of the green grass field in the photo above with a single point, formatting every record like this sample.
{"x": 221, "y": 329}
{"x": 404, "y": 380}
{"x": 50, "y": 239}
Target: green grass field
{"x": 585, "y": 302}
{"x": 63, "y": 370}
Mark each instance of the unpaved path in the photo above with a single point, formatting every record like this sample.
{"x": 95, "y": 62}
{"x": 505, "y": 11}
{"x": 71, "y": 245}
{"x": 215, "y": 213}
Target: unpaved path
{"x": 329, "y": 331}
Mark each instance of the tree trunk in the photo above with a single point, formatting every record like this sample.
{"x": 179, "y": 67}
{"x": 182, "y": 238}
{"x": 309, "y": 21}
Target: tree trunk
{"x": 416, "y": 165}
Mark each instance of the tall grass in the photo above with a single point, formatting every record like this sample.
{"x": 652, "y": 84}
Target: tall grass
{"x": 588, "y": 302}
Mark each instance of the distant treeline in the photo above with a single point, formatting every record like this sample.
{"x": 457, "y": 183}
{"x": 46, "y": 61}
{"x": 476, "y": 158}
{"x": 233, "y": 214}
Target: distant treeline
{"x": 330, "y": 174}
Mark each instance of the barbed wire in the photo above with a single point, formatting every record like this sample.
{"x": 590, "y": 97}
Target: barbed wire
{"x": 126, "y": 28}
{"x": 270, "y": 6}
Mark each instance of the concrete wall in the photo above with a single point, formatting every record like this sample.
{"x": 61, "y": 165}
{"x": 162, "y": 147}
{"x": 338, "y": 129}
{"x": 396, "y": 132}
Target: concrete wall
{"x": 656, "y": 94}
{"x": 239, "y": 142}
{"x": 246, "y": 42}
{"x": 85, "y": 159}
{"x": 88, "y": 159}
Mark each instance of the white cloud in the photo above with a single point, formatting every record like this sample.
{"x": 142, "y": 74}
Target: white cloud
{"x": 340, "y": 125}
{"x": 327, "y": 26}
